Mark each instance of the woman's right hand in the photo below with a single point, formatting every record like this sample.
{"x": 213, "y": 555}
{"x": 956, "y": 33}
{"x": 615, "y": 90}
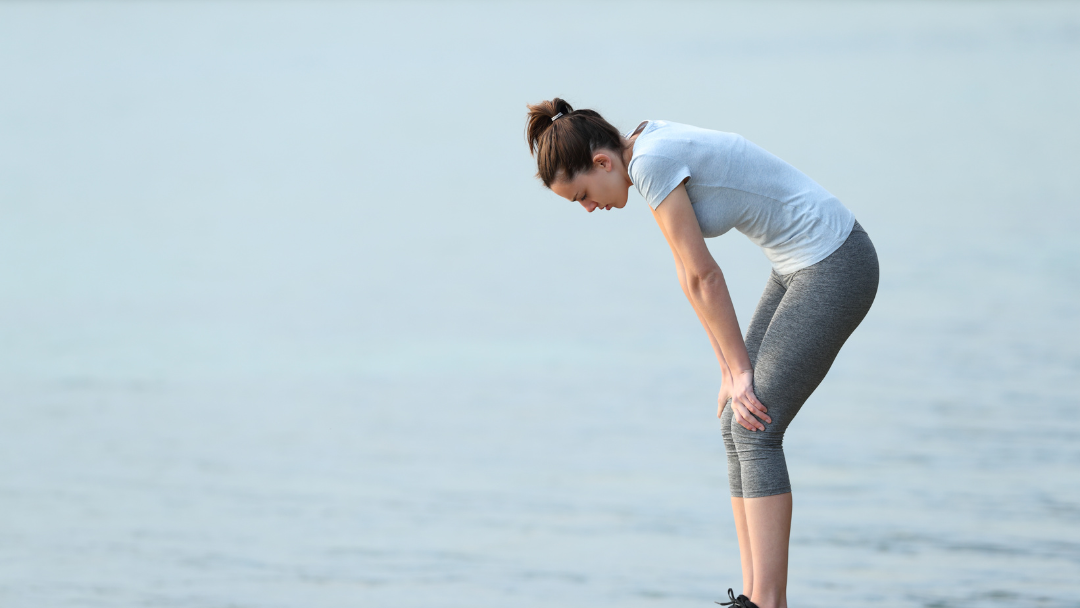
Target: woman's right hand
{"x": 745, "y": 406}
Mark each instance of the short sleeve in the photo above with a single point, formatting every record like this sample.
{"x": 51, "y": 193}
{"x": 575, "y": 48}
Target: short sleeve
{"x": 656, "y": 176}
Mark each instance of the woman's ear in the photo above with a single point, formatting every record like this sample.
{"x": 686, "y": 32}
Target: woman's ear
{"x": 602, "y": 161}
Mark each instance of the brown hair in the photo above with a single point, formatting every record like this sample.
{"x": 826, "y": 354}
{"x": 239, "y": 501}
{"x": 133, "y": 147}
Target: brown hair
{"x": 567, "y": 143}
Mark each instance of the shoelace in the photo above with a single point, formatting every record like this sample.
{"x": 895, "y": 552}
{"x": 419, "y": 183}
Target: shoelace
{"x": 738, "y": 602}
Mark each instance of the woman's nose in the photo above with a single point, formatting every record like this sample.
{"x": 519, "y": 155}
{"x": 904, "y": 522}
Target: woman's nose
{"x": 589, "y": 206}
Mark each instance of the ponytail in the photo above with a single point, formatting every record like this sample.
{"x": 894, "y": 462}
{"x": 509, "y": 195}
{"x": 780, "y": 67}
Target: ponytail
{"x": 563, "y": 139}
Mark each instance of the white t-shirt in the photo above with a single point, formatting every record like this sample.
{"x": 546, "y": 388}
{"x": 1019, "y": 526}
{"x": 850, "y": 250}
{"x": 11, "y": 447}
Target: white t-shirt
{"x": 735, "y": 184}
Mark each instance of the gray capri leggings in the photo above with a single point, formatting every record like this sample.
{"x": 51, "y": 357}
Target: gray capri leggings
{"x": 799, "y": 325}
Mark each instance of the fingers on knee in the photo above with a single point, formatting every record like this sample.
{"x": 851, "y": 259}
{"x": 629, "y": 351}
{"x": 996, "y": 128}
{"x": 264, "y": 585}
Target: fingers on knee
{"x": 771, "y": 438}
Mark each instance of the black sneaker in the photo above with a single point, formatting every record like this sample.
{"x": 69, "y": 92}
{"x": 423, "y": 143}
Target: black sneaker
{"x": 738, "y": 602}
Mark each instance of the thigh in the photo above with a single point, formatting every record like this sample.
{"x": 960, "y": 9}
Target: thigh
{"x": 763, "y": 314}
{"x": 822, "y": 306}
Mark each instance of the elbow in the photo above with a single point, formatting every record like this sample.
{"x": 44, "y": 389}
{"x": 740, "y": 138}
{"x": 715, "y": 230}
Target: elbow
{"x": 703, "y": 284}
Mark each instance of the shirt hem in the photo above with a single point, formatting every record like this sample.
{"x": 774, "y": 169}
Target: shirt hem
{"x": 814, "y": 260}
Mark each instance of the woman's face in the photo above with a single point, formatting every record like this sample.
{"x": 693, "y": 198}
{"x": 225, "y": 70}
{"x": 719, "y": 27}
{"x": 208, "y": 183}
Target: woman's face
{"x": 603, "y": 187}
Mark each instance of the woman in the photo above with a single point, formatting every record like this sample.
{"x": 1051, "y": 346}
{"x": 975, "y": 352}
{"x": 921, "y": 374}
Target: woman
{"x": 700, "y": 184}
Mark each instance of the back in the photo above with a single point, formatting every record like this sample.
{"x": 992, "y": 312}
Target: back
{"x": 736, "y": 184}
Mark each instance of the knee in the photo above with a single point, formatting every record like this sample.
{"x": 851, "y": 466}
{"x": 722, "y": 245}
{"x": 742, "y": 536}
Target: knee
{"x": 725, "y": 427}
{"x": 772, "y": 438}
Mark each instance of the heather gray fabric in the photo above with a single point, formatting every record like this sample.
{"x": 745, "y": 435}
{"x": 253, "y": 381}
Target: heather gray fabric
{"x": 799, "y": 325}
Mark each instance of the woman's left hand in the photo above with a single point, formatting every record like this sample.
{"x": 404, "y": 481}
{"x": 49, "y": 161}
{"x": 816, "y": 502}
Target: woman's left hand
{"x": 744, "y": 403}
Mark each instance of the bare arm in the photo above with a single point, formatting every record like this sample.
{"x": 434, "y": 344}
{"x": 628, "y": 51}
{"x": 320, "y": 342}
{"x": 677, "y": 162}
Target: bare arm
{"x": 712, "y": 339}
{"x": 726, "y": 380}
{"x": 703, "y": 283}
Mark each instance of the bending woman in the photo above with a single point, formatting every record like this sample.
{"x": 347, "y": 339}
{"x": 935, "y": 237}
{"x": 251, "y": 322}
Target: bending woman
{"x": 700, "y": 184}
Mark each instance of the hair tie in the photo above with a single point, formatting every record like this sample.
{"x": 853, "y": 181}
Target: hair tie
{"x": 556, "y": 116}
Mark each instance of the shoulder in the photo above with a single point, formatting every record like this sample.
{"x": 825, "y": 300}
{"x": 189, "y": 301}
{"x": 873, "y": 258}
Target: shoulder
{"x": 656, "y": 175}
{"x": 655, "y": 148}
{"x": 652, "y": 163}
{"x": 674, "y": 140}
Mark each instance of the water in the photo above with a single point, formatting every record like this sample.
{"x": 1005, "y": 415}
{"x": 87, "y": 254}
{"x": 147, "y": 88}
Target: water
{"x": 287, "y": 321}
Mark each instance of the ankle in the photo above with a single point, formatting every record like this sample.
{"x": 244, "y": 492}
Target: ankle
{"x": 768, "y": 601}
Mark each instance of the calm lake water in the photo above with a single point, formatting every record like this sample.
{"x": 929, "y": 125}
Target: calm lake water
{"x": 286, "y": 321}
